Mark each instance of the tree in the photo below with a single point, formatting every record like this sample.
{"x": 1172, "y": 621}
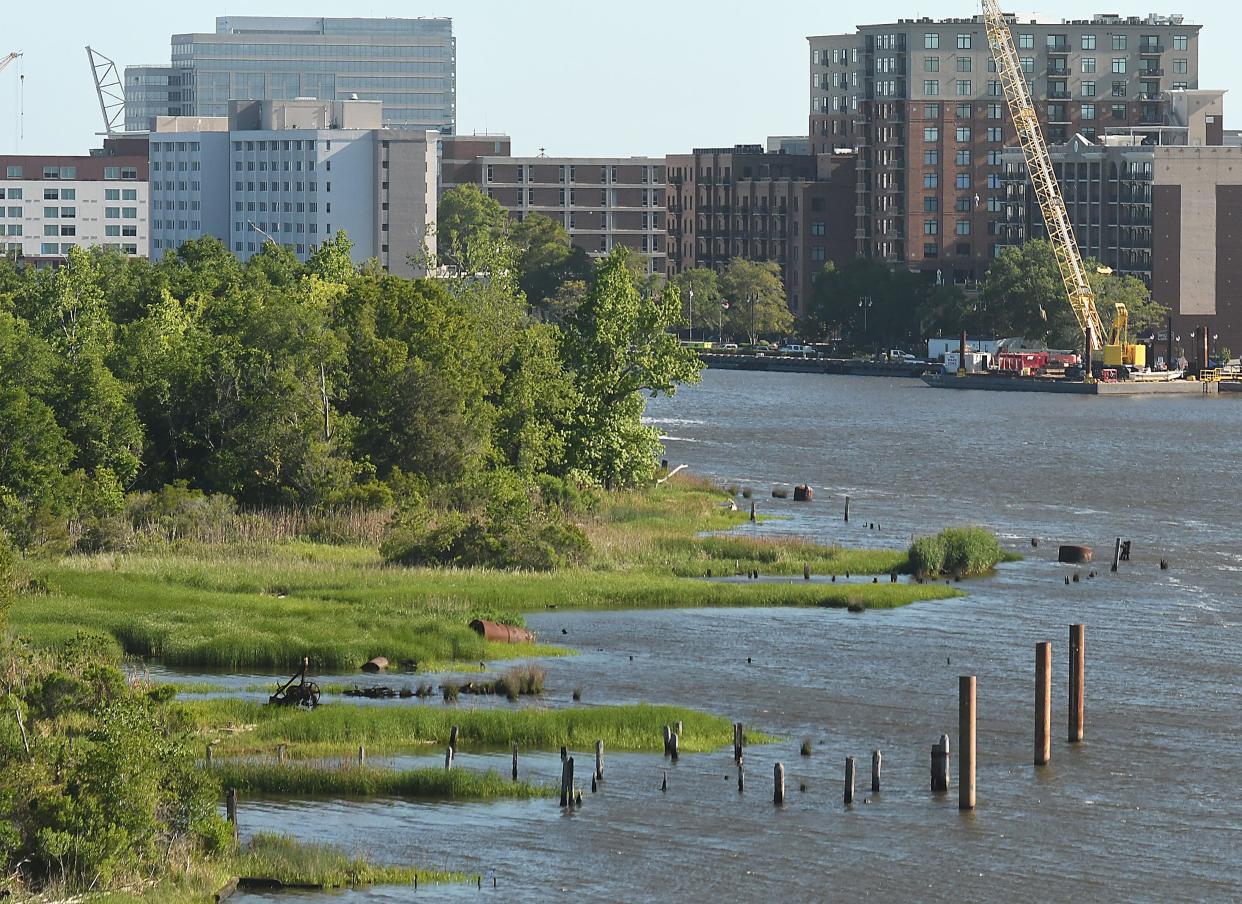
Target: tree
{"x": 616, "y": 346}
{"x": 1022, "y": 295}
{"x": 467, "y": 223}
{"x": 1145, "y": 314}
{"x": 768, "y": 314}
{"x": 701, "y": 299}
{"x": 546, "y": 259}
{"x": 872, "y": 304}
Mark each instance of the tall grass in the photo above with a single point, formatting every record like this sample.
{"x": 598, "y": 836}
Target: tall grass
{"x": 351, "y": 780}
{"x": 338, "y": 728}
{"x": 291, "y": 862}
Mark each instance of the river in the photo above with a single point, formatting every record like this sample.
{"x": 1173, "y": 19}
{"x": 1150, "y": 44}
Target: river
{"x": 1146, "y": 808}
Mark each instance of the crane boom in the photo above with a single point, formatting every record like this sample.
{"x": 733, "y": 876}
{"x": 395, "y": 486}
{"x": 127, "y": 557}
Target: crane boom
{"x": 108, "y": 89}
{"x": 8, "y": 58}
{"x": 1043, "y": 177}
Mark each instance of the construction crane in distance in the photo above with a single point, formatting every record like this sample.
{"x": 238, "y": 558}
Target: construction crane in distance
{"x": 21, "y": 89}
{"x": 8, "y": 59}
{"x": 1043, "y": 178}
{"x": 109, "y": 90}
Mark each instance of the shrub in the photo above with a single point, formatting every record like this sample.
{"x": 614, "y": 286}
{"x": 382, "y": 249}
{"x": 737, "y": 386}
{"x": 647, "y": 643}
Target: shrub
{"x": 955, "y": 550}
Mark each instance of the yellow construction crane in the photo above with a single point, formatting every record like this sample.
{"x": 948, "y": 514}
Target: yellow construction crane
{"x": 1043, "y": 177}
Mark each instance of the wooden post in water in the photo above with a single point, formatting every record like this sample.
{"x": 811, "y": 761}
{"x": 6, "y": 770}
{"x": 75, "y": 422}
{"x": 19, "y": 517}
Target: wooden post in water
{"x": 849, "y": 781}
{"x": 752, "y": 510}
{"x": 966, "y": 742}
{"x": 1116, "y": 554}
{"x": 940, "y": 765}
{"x": 737, "y": 742}
{"x": 677, "y": 727}
{"x": 453, "y": 732}
{"x": 448, "y": 758}
{"x": 362, "y": 755}
{"x": 847, "y": 509}
{"x": 1043, "y": 703}
{"x": 599, "y": 759}
{"x": 569, "y": 780}
{"x": 668, "y": 739}
{"x": 209, "y": 753}
{"x": 565, "y": 781}
{"x": 741, "y": 779}
{"x": 778, "y": 784}
{"x": 564, "y": 754}
{"x": 515, "y": 762}
{"x": 875, "y": 771}
{"x": 1077, "y": 675}
{"x": 673, "y": 743}
{"x": 282, "y": 752}
{"x": 806, "y": 571}
{"x": 230, "y": 809}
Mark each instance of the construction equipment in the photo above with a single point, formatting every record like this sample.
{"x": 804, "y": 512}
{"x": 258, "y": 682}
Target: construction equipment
{"x": 21, "y": 89}
{"x": 1119, "y": 351}
{"x": 1043, "y": 177}
{"x": 109, "y": 90}
{"x": 8, "y": 59}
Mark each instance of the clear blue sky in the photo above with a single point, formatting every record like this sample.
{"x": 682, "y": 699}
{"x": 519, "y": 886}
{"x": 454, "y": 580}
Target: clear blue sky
{"x": 575, "y": 76}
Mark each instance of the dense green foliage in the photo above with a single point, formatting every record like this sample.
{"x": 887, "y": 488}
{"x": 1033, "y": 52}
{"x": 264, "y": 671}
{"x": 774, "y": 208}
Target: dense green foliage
{"x": 323, "y": 385}
{"x": 962, "y": 551}
{"x": 368, "y": 781}
{"x": 291, "y": 862}
{"x": 99, "y": 782}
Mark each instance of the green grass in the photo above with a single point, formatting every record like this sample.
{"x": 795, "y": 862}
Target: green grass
{"x": 265, "y": 606}
{"x": 337, "y": 729}
{"x": 295, "y": 862}
{"x": 352, "y": 780}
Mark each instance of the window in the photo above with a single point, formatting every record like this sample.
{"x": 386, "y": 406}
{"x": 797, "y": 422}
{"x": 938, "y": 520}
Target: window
{"x": 1028, "y": 64}
{"x": 129, "y": 194}
{"x": 994, "y": 111}
{"x": 112, "y": 212}
{"x": 931, "y": 180}
{"x": 994, "y": 158}
{"x": 68, "y": 230}
{"x": 932, "y": 41}
{"x": 963, "y": 42}
{"x": 931, "y": 64}
{"x": 994, "y": 134}
{"x": 1179, "y": 67}
{"x": 51, "y": 213}
{"x": 931, "y": 227}
{"x": 963, "y": 64}
{"x": 1119, "y": 66}
{"x": 963, "y": 133}
{"x": 931, "y": 87}
{"x": 931, "y": 133}
{"x": 931, "y": 249}
{"x": 1180, "y": 42}
{"x": 963, "y": 180}
{"x": 112, "y": 194}
{"x": 931, "y": 205}
{"x": 1026, "y": 42}
{"x": 51, "y": 194}
{"x": 963, "y": 157}
{"x": 49, "y": 248}
{"x": 931, "y": 111}
{"x": 12, "y": 172}
{"x": 1119, "y": 42}
{"x": 1119, "y": 89}
{"x": 994, "y": 89}
{"x": 1088, "y": 111}
{"x": 1088, "y": 64}
{"x": 68, "y": 213}
{"x": 962, "y": 205}
{"x": 1088, "y": 42}
{"x": 931, "y": 157}
{"x": 818, "y": 229}
{"x": 1088, "y": 89}
{"x": 15, "y": 194}
{"x": 963, "y": 227}
{"x": 964, "y": 88}
{"x": 963, "y": 111}
{"x": 51, "y": 229}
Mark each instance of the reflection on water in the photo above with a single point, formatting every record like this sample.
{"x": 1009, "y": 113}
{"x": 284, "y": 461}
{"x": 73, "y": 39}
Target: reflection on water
{"x": 1145, "y": 809}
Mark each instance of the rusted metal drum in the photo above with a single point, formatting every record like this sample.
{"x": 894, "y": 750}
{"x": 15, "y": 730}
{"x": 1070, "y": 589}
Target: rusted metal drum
{"x": 500, "y": 633}
{"x": 1075, "y": 555}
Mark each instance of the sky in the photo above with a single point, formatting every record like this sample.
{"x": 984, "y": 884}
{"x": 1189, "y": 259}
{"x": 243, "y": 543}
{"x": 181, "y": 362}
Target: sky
{"x": 577, "y": 77}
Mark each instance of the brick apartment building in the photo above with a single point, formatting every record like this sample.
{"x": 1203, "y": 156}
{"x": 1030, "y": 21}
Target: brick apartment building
{"x": 49, "y": 204}
{"x": 747, "y": 202}
{"x": 922, "y": 104}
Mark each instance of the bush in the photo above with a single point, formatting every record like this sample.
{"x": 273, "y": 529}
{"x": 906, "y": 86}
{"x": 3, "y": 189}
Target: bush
{"x": 956, "y": 550}
{"x": 492, "y": 520}
{"x": 927, "y": 556}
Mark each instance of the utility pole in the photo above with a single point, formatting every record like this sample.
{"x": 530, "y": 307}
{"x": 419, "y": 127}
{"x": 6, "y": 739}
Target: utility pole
{"x": 752, "y": 318}
{"x": 865, "y": 304}
{"x": 690, "y": 294}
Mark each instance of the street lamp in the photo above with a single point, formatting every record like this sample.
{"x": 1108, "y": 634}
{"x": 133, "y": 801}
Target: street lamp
{"x": 751, "y": 299}
{"x": 690, "y": 294}
{"x": 865, "y": 303}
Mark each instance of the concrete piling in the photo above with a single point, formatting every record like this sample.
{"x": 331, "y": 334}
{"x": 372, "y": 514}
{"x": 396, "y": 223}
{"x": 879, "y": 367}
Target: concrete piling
{"x": 966, "y": 742}
{"x": 1043, "y": 703}
{"x": 1077, "y": 676}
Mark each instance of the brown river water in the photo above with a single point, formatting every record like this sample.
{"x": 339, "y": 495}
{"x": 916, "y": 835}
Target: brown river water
{"x": 1146, "y": 808}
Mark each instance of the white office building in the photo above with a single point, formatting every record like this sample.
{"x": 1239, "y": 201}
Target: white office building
{"x": 295, "y": 173}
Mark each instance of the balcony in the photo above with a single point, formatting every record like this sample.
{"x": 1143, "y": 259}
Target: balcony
{"x": 1150, "y": 73}
{"x": 1058, "y": 47}
{"x": 1059, "y": 95}
{"x": 1151, "y": 49}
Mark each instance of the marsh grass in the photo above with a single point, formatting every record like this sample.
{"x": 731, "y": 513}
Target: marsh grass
{"x": 352, "y": 780}
{"x": 252, "y": 606}
{"x": 292, "y": 862}
{"x": 336, "y": 729}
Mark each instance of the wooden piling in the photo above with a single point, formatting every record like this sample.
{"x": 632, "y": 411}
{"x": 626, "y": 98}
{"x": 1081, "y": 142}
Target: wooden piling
{"x": 448, "y": 758}
{"x": 599, "y": 759}
{"x": 737, "y": 742}
{"x": 565, "y": 783}
{"x": 847, "y": 509}
{"x": 806, "y": 571}
{"x": 515, "y": 758}
{"x": 679, "y": 728}
{"x": 1116, "y": 554}
{"x": 778, "y": 784}
{"x": 594, "y": 783}
{"x": 741, "y": 779}
{"x": 453, "y": 732}
{"x": 940, "y": 765}
{"x": 230, "y": 809}
{"x": 673, "y": 748}
{"x": 362, "y": 755}
{"x": 668, "y": 739}
{"x": 1077, "y": 676}
{"x": 569, "y": 772}
{"x": 664, "y": 782}
{"x": 564, "y": 753}
{"x": 875, "y": 771}
{"x": 966, "y": 742}
{"x": 849, "y": 781}
{"x": 752, "y": 510}
{"x": 282, "y": 752}
{"x": 1043, "y": 703}
{"x": 209, "y": 754}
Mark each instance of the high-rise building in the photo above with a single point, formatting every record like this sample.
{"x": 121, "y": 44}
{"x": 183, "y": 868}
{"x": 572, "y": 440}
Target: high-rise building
{"x": 409, "y": 65}
{"x": 603, "y": 202}
{"x": 745, "y": 202}
{"x": 296, "y": 173}
{"x": 1159, "y": 202}
{"x": 921, "y": 102}
{"x": 49, "y": 204}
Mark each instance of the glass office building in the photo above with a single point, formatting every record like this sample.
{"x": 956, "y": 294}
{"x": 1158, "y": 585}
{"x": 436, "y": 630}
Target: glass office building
{"x": 410, "y": 65}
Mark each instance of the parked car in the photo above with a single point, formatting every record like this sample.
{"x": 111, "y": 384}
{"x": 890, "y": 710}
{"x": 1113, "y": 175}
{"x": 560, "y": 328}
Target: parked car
{"x": 729, "y": 347}
{"x": 803, "y": 351}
